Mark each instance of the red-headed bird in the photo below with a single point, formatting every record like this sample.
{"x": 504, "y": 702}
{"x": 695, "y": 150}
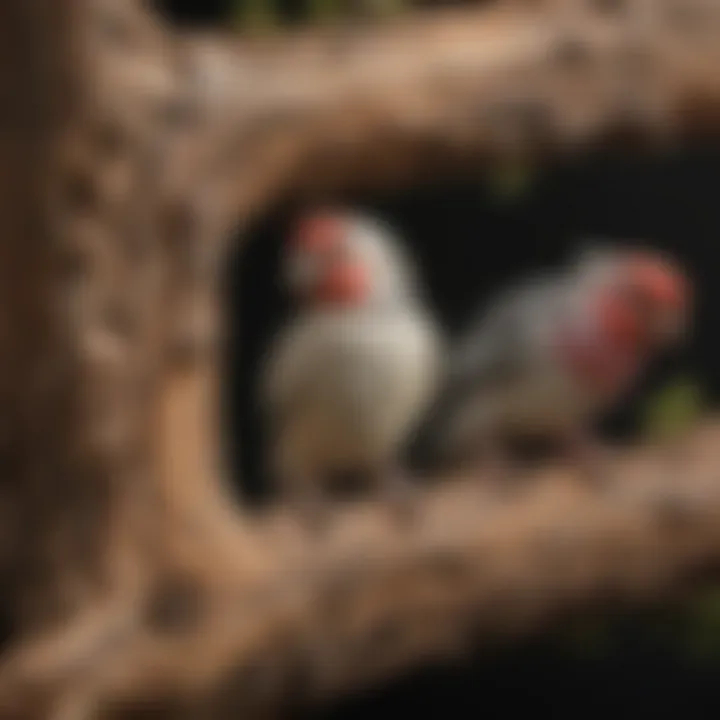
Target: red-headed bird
{"x": 553, "y": 353}
{"x": 352, "y": 374}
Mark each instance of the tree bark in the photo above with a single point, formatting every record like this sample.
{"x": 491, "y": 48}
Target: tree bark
{"x": 374, "y": 599}
{"x": 129, "y": 154}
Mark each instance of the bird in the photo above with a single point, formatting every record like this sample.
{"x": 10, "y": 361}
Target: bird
{"x": 351, "y": 374}
{"x": 551, "y": 353}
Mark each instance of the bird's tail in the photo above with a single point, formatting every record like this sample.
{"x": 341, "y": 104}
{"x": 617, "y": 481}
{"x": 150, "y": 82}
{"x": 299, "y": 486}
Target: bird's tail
{"x": 438, "y": 444}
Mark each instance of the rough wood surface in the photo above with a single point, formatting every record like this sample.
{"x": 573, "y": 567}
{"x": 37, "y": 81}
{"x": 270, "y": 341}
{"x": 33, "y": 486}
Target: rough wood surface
{"x": 373, "y": 599}
{"x": 128, "y": 153}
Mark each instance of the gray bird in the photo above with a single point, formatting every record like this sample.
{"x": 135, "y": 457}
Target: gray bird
{"x": 350, "y": 377}
{"x": 552, "y": 353}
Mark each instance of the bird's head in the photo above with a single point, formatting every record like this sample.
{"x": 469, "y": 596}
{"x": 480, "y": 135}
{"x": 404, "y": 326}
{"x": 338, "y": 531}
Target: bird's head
{"x": 336, "y": 258}
{"x": 644, "y": 298}
{"x": 660, "y": 293}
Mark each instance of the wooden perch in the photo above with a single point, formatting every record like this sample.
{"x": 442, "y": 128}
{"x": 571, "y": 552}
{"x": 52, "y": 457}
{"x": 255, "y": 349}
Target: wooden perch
{"x": 128, "y": 153}
{"x": 385, "y": 104}
{"x": 373, "y": 599}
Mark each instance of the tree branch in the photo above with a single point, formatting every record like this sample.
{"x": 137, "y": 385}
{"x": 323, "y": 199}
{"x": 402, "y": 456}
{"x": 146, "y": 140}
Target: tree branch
{"x": 373, "y": 599}
{"x": 363, "y": 107}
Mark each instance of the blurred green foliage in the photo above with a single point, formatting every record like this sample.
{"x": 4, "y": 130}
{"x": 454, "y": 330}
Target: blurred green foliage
{"x": 510, "y": 180}
{"x": 588, "y": 638}
{"x": 673, "y": 410}
{"x": 387, "y": 8}
{"x": 255, "y": 14}
{"x": 692, "y": 628}
{"x": 701, "y": 626}
{"x": 321, "y": 10}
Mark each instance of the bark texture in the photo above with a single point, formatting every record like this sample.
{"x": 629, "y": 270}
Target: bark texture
{"x": 129, "y": 152}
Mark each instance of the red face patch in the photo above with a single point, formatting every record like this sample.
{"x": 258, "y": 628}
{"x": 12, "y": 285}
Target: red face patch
{"x": 620, "y": 325}
{"x": 663, "y": 286}
{"x": 340, "y": 279}
{"x": 344, "y": 283}
{"x": 606, "y": 358}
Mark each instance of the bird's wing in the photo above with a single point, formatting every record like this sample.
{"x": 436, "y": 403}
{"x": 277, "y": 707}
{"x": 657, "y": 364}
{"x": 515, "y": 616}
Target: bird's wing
{"x": 498, "y": 349}
{"x": 500, "y": 344}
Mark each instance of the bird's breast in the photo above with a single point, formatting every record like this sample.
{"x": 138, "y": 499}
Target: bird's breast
{"x": 382, "y": 374}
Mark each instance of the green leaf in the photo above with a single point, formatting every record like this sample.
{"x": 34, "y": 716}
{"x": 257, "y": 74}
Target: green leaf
{"x": 324, "y": 9}
{"x": 511, "y": 179}
{"x": 387, "y": 8}
{"x": 702, "y": 635}
{"x": 255, "y": 14}
{"x": 673, "y": 410}
{"x": 590, "y": 638}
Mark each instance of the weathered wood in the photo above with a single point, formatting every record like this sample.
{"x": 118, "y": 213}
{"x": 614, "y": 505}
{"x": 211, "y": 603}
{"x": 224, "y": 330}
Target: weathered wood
{"x": 128, "y": 154}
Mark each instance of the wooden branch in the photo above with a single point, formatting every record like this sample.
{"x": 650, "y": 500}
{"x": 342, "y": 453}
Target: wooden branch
{"x": 372, "y": 599}
{"x": 357, "y": 108}
{"x": 43, "y": 92}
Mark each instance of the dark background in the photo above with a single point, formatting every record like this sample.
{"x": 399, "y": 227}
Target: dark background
{"x": 469, "y": 241}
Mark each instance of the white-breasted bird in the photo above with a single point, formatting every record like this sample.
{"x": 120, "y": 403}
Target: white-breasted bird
{"x": 351, "y": 375}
